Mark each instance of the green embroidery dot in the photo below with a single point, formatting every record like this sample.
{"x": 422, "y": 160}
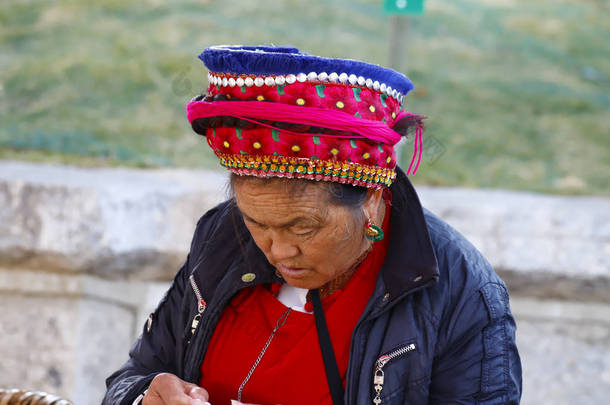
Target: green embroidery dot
{"x": 280, "y": 89}
{"x": 275, "y": 154}
{"x": 217, "y": 88}
{"x": 238, "y": 133}
{"x": 316, "y": 140}
{"x": 379, "y": 147}
{"x": 315, "y": 157}
{"x": 357, "y": 115}
{"x": 353, "y": 143}
{"x": 275, "y": 134}
{"x": 320, "y": 89}
{"x": 243, "y": 89}
{"x": 357, "y": 93}
{"x": 214, "y": 132}
{"x": 243, "y": 153}
{"x": 382, "y": 97}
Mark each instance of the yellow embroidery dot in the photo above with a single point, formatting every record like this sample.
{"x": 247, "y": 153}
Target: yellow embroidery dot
{"x": 228, "y": 96}
{"x": 340, "y": 104}
{"x": 300, "y": 101}
{"x": 372, "y": 108}
{"x": 226, "y": 144}
{"x": 388, "y": 160}
{"x": 260, "y": 98}
{"x": 248, "y": 277}
{"x": 256, "y": 145}
{"x": 295, "y": 148}
{"x": 393, "y": 115}
{"x": 366, "y": 155}
{"x": 334, "y": 151}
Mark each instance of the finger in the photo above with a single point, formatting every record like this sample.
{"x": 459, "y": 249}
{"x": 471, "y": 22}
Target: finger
{"x": 197, "y": 392}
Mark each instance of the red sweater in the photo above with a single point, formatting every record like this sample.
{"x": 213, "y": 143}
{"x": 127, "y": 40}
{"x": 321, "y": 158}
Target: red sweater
{"x": 292, "y": 370}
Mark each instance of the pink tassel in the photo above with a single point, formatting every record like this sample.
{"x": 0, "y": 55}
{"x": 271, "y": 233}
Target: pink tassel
{"x": 418, "y": 147}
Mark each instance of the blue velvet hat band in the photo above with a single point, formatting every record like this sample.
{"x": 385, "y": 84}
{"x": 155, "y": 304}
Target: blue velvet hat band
{"x": 265, "y": 60}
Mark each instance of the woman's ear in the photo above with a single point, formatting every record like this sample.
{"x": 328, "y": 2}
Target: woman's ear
{"x": 374, "y": 199}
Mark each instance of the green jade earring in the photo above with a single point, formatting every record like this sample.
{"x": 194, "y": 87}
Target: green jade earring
{"x": 372, "y": 231}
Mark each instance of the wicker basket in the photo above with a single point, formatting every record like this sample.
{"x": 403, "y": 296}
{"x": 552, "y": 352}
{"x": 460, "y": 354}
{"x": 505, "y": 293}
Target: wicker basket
{"x": 20, "y": 397}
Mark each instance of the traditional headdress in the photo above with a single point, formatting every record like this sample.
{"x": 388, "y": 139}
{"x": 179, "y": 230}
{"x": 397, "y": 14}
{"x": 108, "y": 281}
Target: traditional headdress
{"x": 278, "y": 112}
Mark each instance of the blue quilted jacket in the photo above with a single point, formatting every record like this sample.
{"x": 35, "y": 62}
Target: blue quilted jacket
{"x": 437, "y": 330}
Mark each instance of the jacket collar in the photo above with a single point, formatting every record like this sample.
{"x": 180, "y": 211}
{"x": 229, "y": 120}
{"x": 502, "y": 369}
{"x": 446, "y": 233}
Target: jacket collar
{"x": 410, "y": 262}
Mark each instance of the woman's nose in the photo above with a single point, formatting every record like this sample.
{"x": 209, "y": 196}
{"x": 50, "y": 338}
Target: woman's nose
{"x": 282, "y": 249}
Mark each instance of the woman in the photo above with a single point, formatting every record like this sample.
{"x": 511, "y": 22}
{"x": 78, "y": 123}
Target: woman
{"x": 322, "y": 280}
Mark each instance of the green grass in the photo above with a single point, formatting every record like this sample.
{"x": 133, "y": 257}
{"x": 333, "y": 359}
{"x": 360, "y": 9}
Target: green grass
{"x": 517, "y": 93}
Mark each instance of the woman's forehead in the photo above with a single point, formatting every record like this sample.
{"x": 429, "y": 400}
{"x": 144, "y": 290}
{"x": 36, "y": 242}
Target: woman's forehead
{"x": 277, "y": 199}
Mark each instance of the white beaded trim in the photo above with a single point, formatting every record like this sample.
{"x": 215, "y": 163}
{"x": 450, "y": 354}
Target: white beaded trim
{"x": 332, "y": 77}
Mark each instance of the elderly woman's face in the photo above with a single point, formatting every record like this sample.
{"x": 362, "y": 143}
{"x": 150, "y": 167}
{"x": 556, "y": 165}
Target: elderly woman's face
{"x": 309, "y": 241}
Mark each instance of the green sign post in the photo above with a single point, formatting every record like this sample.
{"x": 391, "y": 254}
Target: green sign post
{"x": 412, "y": 7}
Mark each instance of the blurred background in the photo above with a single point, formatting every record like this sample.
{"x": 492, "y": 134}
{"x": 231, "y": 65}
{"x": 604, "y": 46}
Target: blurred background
{"x": 102, "y": 179}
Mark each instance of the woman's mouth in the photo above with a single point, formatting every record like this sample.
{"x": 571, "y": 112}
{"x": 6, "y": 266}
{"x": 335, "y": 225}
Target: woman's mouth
{"x": 292, "y": 272}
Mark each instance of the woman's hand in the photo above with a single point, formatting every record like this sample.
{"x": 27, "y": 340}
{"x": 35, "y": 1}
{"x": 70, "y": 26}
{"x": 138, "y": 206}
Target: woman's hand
{"x": 166, "y": 389}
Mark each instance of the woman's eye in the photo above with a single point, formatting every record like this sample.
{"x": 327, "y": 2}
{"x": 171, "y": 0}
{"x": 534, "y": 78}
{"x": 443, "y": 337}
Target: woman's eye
{"x": 303, "y": 231}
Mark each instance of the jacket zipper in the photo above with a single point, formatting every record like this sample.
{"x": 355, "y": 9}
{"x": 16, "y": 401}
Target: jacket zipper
{"x": 201, "y": 306}
{"x": 378, "y": 376}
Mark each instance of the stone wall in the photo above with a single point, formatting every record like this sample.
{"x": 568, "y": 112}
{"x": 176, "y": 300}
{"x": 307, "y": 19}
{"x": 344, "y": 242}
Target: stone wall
{"x": 85, "y": 254}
